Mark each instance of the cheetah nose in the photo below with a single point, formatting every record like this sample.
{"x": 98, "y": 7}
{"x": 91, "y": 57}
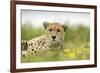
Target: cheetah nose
{"x": 53, "y": 37}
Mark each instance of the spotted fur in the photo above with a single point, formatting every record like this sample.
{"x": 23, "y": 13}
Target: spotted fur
{"x": 52, "y": 39}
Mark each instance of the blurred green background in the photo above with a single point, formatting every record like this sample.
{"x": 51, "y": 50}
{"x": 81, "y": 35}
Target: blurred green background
{"x": 76, "y": 44}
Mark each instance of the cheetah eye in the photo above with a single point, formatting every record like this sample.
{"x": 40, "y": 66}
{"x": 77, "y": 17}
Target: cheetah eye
{"x": 50, "y": 30}
{"x": 58, "y": 30}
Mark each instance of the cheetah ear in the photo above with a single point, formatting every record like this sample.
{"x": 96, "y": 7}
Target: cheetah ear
{"x": 65, "y": 27}
{"x": 45, "y": 24}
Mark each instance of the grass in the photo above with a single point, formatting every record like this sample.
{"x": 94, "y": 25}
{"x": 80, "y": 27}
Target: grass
{"x": 76, "y": 44}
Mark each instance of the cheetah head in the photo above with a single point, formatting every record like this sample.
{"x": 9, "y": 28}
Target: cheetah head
{"x": 55, "y": 31}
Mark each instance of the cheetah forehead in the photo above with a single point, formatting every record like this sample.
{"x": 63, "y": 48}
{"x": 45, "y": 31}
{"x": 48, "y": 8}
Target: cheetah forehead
{"x": 55, "y": 26}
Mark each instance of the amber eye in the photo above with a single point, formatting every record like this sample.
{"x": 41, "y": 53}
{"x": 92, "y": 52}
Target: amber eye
{"x": 58, "y": 30}
{"x": 50, "y": 30}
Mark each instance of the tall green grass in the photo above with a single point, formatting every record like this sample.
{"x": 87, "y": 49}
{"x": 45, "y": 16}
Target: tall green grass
{"x": 76, "y": 44}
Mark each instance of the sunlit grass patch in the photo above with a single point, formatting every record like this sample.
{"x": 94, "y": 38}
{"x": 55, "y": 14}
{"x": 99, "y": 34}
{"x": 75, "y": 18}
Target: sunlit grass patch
{"x": 77, "y": 54}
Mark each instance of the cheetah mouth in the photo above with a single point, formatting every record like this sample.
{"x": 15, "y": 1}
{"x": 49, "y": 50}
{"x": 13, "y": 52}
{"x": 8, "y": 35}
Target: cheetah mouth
{"x": 54, "y": 41}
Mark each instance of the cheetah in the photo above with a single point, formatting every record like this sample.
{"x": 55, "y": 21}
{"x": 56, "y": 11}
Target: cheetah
{"x": 52, "y": 39}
